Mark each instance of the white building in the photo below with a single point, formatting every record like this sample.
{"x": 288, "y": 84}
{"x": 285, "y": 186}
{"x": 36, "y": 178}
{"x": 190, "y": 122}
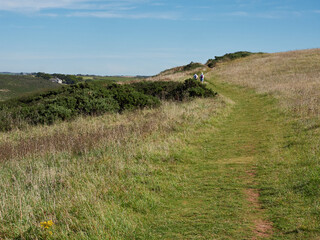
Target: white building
{"x": 56, "y": 80}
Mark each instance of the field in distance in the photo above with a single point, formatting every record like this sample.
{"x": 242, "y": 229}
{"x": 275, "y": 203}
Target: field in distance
{"x": 16, "y": 85}
{"x": 12, "y": 86}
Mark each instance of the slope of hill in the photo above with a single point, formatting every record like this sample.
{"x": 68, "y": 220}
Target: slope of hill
{"x": 287, "y": 174}
{"x": 15, "y": 85}
{"x": 179, "y": 73}
{"x": 293, "y": 77}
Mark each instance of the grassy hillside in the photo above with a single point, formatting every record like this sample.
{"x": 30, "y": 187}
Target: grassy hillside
{"x": 293, "y": 77}
{"x": 243, "y": 165}
{"x": 227, "y": 57}
{"x": 15, "y": 85}
{"x": 288, "y": 172}
{"x": 180, "y": 73}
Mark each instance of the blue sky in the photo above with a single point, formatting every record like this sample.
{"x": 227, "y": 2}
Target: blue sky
{"x": 130, "y": 37}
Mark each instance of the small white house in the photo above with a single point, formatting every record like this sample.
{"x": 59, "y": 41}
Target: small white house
{"x": 56, "y": 80}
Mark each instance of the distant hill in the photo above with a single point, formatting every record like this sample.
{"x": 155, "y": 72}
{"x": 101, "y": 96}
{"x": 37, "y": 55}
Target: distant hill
{"x": 211, "y": 63}
{"x": 180, "y": 73}
{"x": 17, "y": 85}
{"x": 189, "y": 67}
{"x": 291, "y": 76}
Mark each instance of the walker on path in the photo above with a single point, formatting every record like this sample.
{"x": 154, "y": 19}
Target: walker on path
{"x": 202, "y": 77}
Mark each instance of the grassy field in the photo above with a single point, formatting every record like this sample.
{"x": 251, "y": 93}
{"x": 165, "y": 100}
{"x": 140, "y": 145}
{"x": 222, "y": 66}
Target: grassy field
{"x": 15, "y": 86}
{"x": 113, "y": 79}
{"x": 244, "y": 165}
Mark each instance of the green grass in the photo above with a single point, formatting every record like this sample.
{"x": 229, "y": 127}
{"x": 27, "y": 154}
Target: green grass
{"x": 210, "y": 201}
{"x": 287, "y": 165}
{"x": 12, "y": 86}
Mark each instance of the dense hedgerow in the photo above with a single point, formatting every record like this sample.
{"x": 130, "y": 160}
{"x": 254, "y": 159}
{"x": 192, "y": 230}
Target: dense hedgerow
{"x": 128, "y": 98}
{"x": 174, "y": 90}
{"x": 227, "y": 57}
{"x": 91, "y": 99}
{"x": 191, "y": 66}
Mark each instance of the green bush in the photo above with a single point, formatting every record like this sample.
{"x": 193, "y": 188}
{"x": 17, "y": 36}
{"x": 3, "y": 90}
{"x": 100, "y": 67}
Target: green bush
{"x": 227, "y": 57}
{"x": 174, "y": 90}
{"x": 91, "y": 99}
{"x": 161, "y": 90}
{"x": 128, "y": 98}
{"x": 191, "y": 66}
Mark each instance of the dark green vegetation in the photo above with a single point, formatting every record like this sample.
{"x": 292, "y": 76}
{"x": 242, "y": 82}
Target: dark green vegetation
{"x": 176, "y": 91}
{"x": 182, "y": 69}
{"x": 17, "y": 85}
{"x": 93, "y": 99}
{"x": 227, "y": 57}
{"x": 191, "y": 66}
{"x": 66, "y": 78}
{"x": 112, "y": 79}
{"x": 14, "y": 85}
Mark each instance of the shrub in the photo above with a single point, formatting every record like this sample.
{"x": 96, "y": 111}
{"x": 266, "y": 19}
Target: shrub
{"x": 129, "y": 98}
{"x": 191, "y": 66}
{"x": 161, "y": 90}
{"x": 92, "y": 99}
{"x": 227, "y": 57}
{"x": 174, "y": 90}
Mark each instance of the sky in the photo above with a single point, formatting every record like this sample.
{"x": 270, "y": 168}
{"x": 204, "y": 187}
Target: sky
{"x": 144, "y": 37}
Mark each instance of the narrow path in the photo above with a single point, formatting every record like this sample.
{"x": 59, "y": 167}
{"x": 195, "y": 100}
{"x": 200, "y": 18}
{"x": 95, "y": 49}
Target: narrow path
{"x": 218, "y": 195}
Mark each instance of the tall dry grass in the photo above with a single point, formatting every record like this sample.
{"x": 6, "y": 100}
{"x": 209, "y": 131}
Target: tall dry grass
{"x": 94, "y": 177}
{"x": 86, "y": 133}
{"x": 294, "y": 77}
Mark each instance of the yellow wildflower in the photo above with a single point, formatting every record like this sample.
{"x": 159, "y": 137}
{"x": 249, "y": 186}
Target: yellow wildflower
{"x": 47, "y": 224}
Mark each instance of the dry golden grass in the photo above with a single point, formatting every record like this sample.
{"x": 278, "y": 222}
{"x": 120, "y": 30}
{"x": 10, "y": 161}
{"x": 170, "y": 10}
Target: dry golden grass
{"x": 87, "y": 133}
{"x": 294, "y": 77}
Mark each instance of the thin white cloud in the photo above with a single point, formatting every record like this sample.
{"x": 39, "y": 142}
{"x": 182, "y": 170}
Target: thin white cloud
{"x": 265, "y": 15}
{"x": 129, "y": 9}
{"x": 317, "y": 11}
{"x": 104, "y": 14}
{"x": 238, "y": 14}
{"x": 38, "y": 5}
